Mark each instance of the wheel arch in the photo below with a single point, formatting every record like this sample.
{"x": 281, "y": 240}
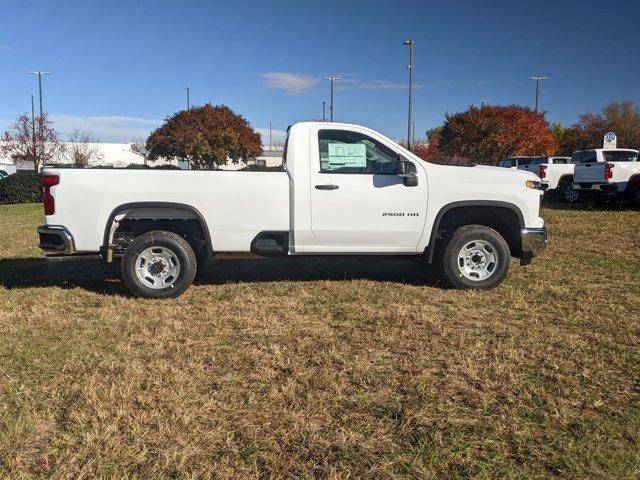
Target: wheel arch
{"x": 564, "y": 178}
{"x": 112, "y": 224}
{"x": 508, "y": 227}
{"x": 633, "y": 179}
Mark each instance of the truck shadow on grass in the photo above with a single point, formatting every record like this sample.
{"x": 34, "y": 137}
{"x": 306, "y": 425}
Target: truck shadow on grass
{"x": 100, "y": 277}
{"x": 314, "y": 269}
{"x": 590, "y": 206}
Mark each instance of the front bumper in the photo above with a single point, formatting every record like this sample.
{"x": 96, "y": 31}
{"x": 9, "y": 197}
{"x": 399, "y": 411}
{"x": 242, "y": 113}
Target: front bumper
{"x": 56, "y": 239}
{"x": 534, "y": 241}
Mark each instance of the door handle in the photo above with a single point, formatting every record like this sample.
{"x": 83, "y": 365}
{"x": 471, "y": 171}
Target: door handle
{"x": 327, "y": 186}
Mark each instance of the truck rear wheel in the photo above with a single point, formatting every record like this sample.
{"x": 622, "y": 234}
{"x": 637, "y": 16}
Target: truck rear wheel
{"x": 476, "y": 257}
{"x": 158, "y": 264}
{"x": 633, "y": 195}
{"x": 567, "y": 193}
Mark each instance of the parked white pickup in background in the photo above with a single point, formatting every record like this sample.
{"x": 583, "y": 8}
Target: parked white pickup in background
{"x": 608, "y": 173}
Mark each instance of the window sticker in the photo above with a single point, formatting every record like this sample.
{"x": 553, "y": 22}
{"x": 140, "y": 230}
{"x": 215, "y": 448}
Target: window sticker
{"x": 353, "y": 155}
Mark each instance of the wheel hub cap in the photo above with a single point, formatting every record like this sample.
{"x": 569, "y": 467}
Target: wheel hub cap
{"x": 157, "y": 267}
{"x": 570, "y": 194}
{"x": 477, "y": 260}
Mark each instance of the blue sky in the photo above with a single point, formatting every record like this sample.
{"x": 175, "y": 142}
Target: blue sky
{"x": 120, "y": 67}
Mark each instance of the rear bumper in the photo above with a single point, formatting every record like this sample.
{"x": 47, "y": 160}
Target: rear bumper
{"x": 56, "y": 239}
{"x": 596, "y": 187}
{"x": 534, "y": 241}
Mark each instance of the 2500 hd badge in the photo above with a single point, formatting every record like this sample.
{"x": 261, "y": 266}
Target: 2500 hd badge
{"x": 400, "y": 214}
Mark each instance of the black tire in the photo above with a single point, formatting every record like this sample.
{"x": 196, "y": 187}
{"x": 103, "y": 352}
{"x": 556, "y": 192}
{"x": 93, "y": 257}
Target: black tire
{"x": 167, "y": 244}
{"x": 633, "y": 194}
{"x": 497, "y": 249}
{"x": 603, "y": 199}
{"x": 566, "y": 193}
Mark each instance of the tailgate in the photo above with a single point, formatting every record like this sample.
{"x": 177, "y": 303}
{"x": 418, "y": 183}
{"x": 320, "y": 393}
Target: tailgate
{"x": 589, "y": 172}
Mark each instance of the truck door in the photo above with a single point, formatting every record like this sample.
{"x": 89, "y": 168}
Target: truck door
{"x": 359, "y": 201}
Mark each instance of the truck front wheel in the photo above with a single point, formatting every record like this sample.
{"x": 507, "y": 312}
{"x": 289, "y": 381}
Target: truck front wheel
{"x": 158, "y": 264}
{"x": 476, "y": 257}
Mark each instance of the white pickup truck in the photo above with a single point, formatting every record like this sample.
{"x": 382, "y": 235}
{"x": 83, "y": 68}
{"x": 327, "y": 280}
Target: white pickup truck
{"x": 608, "y": 173}
{"x": 555, "y": 173}
{"x": 344, "y": 190}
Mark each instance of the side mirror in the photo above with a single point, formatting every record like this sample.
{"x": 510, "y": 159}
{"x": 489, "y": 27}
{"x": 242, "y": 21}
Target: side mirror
{"x": 409, "y": 178}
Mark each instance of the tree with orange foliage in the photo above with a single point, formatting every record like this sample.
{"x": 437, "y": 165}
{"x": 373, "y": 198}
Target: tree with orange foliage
{"x": 485, "y": 135}
{"x": 207, "y": 137}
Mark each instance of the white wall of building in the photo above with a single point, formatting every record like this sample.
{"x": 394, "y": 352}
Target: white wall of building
{"x": 121, "y": 155}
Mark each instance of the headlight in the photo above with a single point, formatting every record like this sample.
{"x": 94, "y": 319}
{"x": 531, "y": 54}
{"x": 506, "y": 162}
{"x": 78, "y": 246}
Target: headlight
{"x": 532, "y": 184}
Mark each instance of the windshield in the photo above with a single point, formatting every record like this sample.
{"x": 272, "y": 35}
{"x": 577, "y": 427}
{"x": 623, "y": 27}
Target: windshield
{"x": 620, "y": 156}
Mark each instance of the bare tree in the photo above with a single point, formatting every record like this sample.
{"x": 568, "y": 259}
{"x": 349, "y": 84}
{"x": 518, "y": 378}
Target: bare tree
{"x": 35, "y": 141}
{"x": 137, "y": 144}
{"x": 79, "y": 149}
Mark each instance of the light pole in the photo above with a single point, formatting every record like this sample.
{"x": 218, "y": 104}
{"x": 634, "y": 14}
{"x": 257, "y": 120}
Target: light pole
{"x": 33, "y": 123}
{"x": 331, "y": 79}
{"x": 188, "y": 89}
{"x": 410, "y": 43}
{"x": 538, "y": 79}
{"x": 41, "y": 119}
{"x": 40, "y": 74}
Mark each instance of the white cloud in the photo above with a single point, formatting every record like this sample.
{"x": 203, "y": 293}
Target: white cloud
{"x": 291, "y": 83}
{"x": 295, "y": 83}
{"x": 106, "y": 128}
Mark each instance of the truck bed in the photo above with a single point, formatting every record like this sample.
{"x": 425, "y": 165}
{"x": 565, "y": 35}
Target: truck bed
{"x": 237, "y": 205}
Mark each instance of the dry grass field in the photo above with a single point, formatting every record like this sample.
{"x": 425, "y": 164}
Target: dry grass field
{"x": 326, "y": 368}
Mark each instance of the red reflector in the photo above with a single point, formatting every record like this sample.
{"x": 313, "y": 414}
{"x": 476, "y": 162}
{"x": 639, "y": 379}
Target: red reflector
{"x": 48, "y": 201}
{"x": 543, "y": 172}
{"x": 608, "y": 174}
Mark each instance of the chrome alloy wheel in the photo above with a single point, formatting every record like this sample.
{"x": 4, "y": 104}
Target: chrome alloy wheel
{"x": 157, "y": 267}
{"x": 477, "y": 260}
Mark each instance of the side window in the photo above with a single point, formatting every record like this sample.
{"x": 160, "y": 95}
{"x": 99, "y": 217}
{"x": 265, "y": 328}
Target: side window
{"x": 620, "y": 156}
{"x": 560, "y": 161}
{"x": 343, "y": 151}
{"x": 575, "y": 157}
{"x": 524, "y": 161}
{"x": 588, "y": 156}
